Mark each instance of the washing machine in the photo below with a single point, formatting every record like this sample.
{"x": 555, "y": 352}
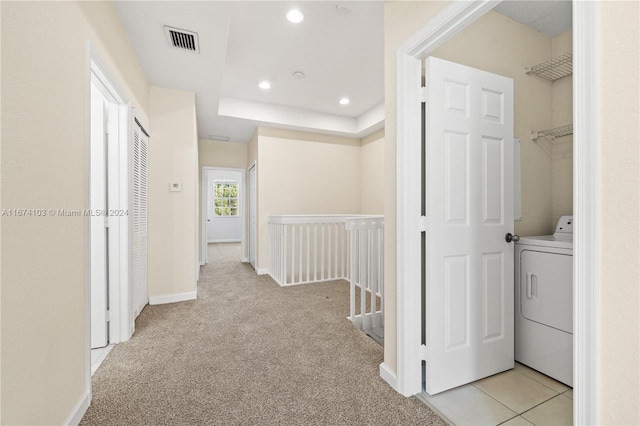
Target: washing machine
{"x": 544, "y": 302}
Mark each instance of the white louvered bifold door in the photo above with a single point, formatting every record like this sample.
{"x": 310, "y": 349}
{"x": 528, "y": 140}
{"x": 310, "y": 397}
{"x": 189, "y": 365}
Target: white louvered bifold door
{"x": 140, "y": 159}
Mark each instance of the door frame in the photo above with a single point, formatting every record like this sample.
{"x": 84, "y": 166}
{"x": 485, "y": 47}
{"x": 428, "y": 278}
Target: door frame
{"x": 204, "y": 215}
{"x": 119, "y": 289}
{"x": 448, "y": 22}
{"x": 252, "y": 201}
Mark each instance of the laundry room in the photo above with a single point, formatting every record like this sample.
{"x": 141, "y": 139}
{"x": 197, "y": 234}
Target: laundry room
{"x": 500, "y": 45}
{"x": 531, "y": 43}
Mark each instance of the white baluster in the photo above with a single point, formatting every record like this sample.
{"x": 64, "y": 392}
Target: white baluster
{"x": 329, "y": 274}
{"x": 284, "y": 257}
{"x": 316, "y": 252}
{"x": 308, "y": 250}
{"x": 300, "y": 253}
{"x": 336, "y": 267}
{"x": 363, "y": 277}
{"x": 352, "y": 279}
{"x": 293, "y": 253}
{"x": 322, "y": 251}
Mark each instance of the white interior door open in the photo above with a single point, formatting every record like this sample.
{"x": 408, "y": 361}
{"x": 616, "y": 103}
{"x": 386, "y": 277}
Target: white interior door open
{"x": 252, "y": 216}
{"x": 469, "y": 210}
{"x": 98, "y": 230}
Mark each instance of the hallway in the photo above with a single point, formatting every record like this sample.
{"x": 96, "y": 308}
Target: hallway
{"x": 249, "y": 352}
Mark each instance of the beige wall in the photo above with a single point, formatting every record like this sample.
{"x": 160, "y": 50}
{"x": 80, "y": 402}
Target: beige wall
{"x": 218, "y": 154}
{"x": 222, "y": 154}
{"x": 44, "y": 119}
{"x": 620, "y": 208}
{"x": 172, "y": 215}
{"x": 372, "y": 173}
{"x": 304, "y": 173}
{"x": 562, "y": 148}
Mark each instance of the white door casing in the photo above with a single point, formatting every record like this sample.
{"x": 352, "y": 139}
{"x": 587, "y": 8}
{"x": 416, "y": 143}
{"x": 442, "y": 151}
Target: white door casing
{"x": 252, "y": 217}
{"x": 469, "y": 209}
{"x": 98, "y": 231}
{"x": 451, "y": 20}
{"x": 224, "y": 229}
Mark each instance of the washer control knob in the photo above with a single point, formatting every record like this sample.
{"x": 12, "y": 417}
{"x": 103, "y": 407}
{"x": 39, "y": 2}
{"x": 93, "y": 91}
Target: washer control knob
{"x": 511, "y": 237}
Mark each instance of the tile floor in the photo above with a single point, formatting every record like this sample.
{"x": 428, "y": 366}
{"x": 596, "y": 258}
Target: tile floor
{"x": 519, "y": 397}
{"x": 97, "y": 356}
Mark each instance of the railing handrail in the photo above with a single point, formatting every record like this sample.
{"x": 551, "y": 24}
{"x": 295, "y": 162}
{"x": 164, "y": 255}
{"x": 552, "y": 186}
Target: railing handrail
{"x": 369, "y": 222}
{"x": 327, "y": 218}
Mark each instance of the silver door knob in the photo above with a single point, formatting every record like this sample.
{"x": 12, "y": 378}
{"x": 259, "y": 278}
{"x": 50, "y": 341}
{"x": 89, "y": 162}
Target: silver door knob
{"x": 511, "y": 237}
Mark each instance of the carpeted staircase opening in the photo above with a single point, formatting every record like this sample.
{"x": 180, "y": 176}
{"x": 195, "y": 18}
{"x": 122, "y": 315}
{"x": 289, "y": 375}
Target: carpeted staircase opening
{"x": 249, "y": 352}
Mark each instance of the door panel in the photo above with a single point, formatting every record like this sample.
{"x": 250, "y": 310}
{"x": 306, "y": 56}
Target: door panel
{"x": 456, "y": 178}
{"x": 457, "y": 294}
{"x": 492, "y": 296}
{"x": 469, "y": 209}
{"x": 492, "y": 190}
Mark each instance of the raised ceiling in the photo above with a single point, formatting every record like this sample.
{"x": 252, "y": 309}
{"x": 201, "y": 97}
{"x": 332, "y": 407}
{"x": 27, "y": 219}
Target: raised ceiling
{"x": 340, "y": 50}
{"x": 339, "y": 47}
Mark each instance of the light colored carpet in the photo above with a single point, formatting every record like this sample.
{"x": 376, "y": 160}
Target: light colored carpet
{"x": 249, "y": 352}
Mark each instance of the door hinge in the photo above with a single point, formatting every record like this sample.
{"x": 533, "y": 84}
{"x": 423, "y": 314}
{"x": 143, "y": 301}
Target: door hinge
{"x": 423, "y": 94}
{"x": 106, "y": 222}
{"x": 423, "y": 224}
{"x": 108, "y": 315}
{"x": 424, "y": 353}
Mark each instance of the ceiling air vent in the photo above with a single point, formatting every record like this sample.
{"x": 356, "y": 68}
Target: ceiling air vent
{"x": 182, "y": 39}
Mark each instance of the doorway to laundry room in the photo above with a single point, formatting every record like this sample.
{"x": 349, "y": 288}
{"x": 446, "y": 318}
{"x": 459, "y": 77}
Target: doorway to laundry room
{"x": 477, "y": 194}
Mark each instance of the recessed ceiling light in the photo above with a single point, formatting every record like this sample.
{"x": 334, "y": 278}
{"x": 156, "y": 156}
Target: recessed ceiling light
{"x": 344, "y": 101}
{"x": 298, "y": 75}
{"x": 264, "y": 85}
{"x": 295, "y": 16}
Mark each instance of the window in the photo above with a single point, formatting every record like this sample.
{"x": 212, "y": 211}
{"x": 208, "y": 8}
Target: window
{"x": 225, "y": 198}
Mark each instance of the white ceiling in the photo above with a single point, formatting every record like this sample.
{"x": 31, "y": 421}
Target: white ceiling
{"x": 242, "y": 43}
{"x": 550, "y": 17}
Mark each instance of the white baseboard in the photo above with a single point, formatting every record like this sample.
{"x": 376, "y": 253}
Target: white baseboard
{"x": 172, "y": 298}
{"x": 274, "y": 279}
{"x": 80, "y": 409}
{"x": 262, "y": 271}
{"x": 389, "y": 377}
{"x": 245, "y": 260}
{"x": 232, "y": 240}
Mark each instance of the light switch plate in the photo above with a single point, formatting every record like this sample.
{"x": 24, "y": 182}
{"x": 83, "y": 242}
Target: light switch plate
{"x": 176, "y": 187}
